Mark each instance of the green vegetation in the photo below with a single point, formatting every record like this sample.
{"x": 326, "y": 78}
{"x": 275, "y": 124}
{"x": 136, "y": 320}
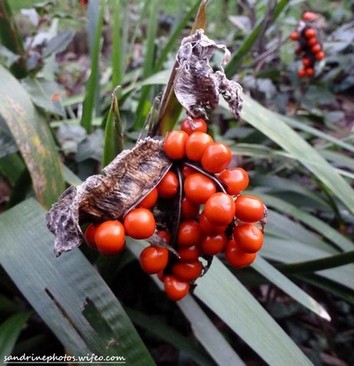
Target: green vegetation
{"x": 62, "y": 119}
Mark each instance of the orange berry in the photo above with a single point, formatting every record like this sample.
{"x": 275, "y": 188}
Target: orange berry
{"x": 196, "y": 144}
{"x": 312, "y": 41}
{"x": 190, "y": 125}
{"x": 309, "y": 33}
{"x": 301, "y": 73}
{"x": 309, "y": 16}
{"x": 168, "y": 186}
{"x": 234, "y": 180}
{"x": 213, "y": 244}
{"x": 189, "y": 233}
{"x": 316, "y": 48}
{"x": 320, "y": 56}
{"x": 209, "y": 228}
{"x": 189, "y": 209}
{"x": 174, "y": 144}
{"x": 189, "y": 254}
{"x": 220, "y": 208}
{"x": 187, "y": 170}
{"x": 249, "y": 208}
{"x": 198, "y": 188}
{"x": 216, "y": 157}
{"x": 164, "y": 235}
{"x": 153, "y": 259}
{"x": 174, "y": 288}
{"x": 306, "y": 62}
{"x": 149, "y": 200}
{"x": 237, "y": 257}
{"x": 90, "y": 235}
{"x": 110, "y": 237}
{"x": 187, "y": 271}
{"x": 139, "y": 223}
{"x": 294, "y": 36}
{"x": 309, "y": 71}
{"x": 248, "y": 237}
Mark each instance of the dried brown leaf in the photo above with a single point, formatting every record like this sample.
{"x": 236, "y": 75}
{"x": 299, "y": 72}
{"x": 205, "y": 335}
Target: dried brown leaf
{"x": 125, "y": 182}
{"x": 198, "y": 86}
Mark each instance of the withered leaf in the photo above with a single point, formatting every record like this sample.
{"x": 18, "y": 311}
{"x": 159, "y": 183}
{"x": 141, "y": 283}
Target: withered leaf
{"x": 197, "y": 85}
{"x": 123, "y": 184}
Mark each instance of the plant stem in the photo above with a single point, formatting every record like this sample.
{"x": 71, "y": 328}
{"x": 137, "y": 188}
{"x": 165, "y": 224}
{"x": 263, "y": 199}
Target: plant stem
{"x": 10, "y": 38}
{"x": 317, "y": 264}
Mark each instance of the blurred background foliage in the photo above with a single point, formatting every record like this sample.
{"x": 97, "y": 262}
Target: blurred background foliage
{"x": 59, "y": 64}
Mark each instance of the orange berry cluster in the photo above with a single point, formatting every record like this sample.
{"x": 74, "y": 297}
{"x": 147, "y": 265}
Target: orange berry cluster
{"x": 215, "y": 217}
{"x": 211, "y": 217}
{"x": 310, "y": 49}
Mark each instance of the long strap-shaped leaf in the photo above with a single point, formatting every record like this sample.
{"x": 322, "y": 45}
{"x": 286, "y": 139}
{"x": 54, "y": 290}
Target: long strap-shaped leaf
{"x": 95, "y": 19}
{"x": 289, "y": 287}
{"x": 158, "y": 327}
{"x": 297, "y": 253}
{"x": 113, "y": 137}
{"x": 339, "y": 240}
{"x": 66, "y": 292}
{"x": 221, "y": 291}
{"x": 208, "y": 335}
{"x": 272, "y": 125}
{"x": 9, "y": 332}
{"x": 33, "y": 138}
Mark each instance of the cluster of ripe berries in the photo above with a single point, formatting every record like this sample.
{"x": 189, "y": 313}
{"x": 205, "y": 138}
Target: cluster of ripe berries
{"x": 214, "y": 217}
{"x": 309, "y": 45}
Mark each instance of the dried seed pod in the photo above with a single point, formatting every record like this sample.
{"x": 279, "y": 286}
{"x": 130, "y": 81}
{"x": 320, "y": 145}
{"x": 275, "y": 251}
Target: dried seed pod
{"x": 197, "y": 85}
{"x": 125, "y": 182}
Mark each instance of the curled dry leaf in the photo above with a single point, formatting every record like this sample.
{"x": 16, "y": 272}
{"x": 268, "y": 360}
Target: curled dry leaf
{"x": 197, "y": 85}
{"x": 125, "y": 182}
